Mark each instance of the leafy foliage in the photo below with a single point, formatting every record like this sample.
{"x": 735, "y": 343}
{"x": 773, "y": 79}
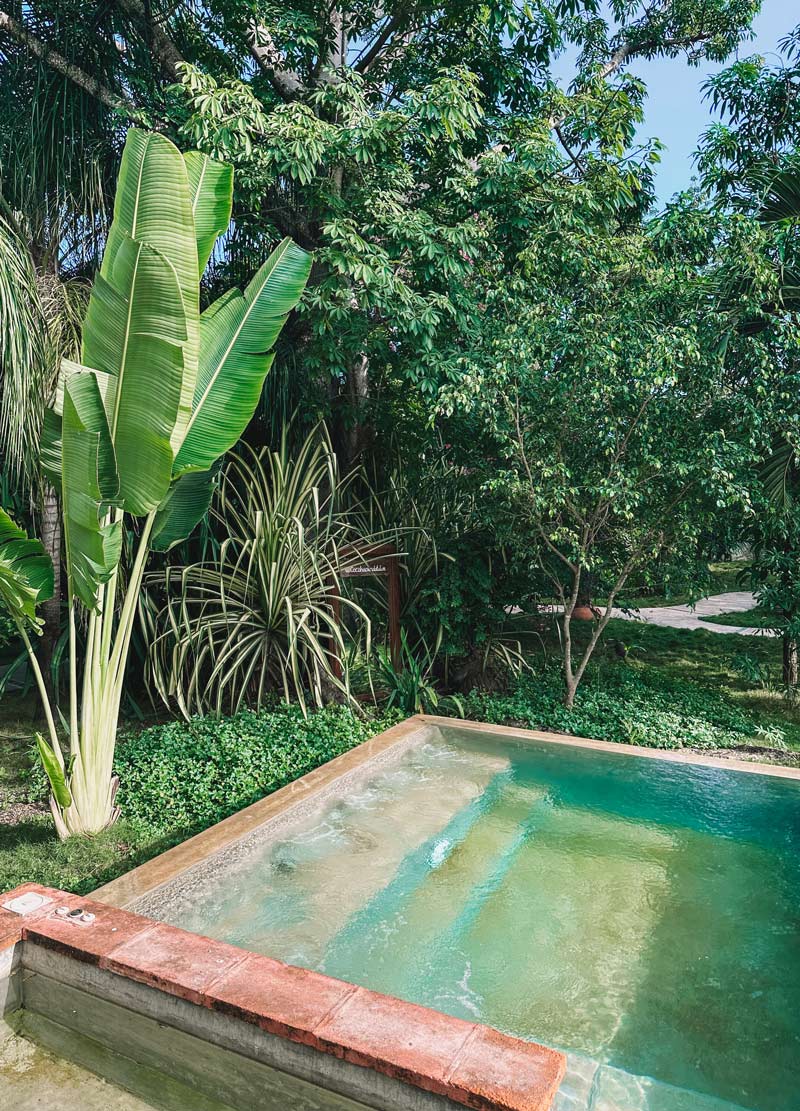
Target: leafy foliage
{"x": 625, "y": 705}
{"x": 26, "y": 574}
{"x": 409, "y": 685}
{"x": 608, "y": 423}
{"x": 546, "y": 382}
{"x": 191, "y": 775}
{"x": 259, "y": 617}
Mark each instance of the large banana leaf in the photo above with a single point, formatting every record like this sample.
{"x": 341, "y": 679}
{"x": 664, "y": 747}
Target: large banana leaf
{"x": 88, "y": 480}
{"x": 183, "y": 509}
{"x": 236, "y": 335}
{"x": 153, "y": 205}
{"x": 135, "y": 330}
{"x": 211, "y": 192}
{"x": 50, "y": 448}
{"x": 26, "y": 573}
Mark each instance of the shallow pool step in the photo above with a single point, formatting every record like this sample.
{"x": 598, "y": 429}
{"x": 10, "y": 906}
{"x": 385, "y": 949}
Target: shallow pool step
{"x": 592, "y": 1087}
{"x": 289, "y": 897}
{"x": 395, "y": 936}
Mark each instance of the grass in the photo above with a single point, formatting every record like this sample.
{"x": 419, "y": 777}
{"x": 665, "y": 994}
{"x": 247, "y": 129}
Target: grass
{"x": 756, "y": 618}
{"x": 714, "y": 661}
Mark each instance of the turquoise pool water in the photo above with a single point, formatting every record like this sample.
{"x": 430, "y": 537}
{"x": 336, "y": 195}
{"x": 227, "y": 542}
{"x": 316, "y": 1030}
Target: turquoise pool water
{"x": 641, "y": 914}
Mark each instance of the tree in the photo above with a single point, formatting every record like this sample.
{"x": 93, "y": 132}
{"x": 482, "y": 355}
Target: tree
{"x": 612, "y": 431}
{"x": 758, "y": 102}
{"x": 775, "y": 535}
{"x": 161, "y": 393}
{"x": 400, "y": 142}
{"x": 750, "y": 160}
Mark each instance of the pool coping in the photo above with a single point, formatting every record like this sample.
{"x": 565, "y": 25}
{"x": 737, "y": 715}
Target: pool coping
{"x": 677, "y": 756}
{"x": 167, "y": 866}
{"x": 460, "y": 1061}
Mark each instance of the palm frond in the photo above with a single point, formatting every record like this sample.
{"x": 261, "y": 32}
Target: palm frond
{"x": 780, "y": 473}
{"x": 40, "y": 323}
{"x": 781, "y": 200}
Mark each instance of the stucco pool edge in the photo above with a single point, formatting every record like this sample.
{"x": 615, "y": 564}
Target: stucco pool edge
{"x": 678, "y": 756}
{"x": 162, "y": 870}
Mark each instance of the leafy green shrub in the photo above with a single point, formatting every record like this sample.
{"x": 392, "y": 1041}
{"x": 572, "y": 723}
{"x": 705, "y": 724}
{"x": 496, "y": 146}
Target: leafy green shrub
{"x": 259, "y": 617}
{"x": 8, "y": 632}
{"x": 631, "y": 706}
{"x": 189, "y": 775}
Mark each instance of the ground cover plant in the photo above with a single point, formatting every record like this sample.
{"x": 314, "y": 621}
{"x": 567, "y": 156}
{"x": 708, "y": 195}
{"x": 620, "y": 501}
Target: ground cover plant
{"x": 638, "y": 706}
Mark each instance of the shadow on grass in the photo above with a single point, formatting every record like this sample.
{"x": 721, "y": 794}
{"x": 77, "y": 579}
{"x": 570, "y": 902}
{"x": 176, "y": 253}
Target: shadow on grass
{"x": 31, "y": 851}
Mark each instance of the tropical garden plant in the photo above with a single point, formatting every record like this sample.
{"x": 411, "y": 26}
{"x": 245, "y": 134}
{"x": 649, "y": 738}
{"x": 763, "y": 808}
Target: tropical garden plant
{"x": 263, "y": 616}
{"x": 160, "y": 394}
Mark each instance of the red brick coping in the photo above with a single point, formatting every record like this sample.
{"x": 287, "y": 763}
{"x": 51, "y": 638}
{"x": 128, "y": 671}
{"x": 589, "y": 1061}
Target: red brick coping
{"x": 468, "y": 1063}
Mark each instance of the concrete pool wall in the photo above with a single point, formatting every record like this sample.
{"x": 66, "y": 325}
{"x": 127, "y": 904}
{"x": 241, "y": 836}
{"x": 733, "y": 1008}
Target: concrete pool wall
{"x": 164, "y": 1013}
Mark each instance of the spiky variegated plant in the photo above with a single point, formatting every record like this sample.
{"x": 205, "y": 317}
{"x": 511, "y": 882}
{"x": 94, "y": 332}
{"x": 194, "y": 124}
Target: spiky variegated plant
{"x": 161, "y": 393}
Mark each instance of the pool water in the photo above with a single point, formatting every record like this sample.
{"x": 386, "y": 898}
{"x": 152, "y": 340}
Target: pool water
{"x": 643, "y": 915}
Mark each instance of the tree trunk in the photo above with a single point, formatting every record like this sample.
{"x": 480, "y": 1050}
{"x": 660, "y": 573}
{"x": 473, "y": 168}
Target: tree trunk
{"x": 570, "y": 682}
{"x": 790, "y": 663}
{"x": 585, "y": 591}
{"x": 51, "y": 609}
{"x": 358, "y": 391}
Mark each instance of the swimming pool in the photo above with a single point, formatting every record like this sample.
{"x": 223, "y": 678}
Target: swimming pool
{"x": 641, "y": 914}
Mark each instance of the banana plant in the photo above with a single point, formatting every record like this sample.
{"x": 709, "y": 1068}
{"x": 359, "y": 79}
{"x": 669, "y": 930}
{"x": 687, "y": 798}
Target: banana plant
{"x": 161, "y": 393}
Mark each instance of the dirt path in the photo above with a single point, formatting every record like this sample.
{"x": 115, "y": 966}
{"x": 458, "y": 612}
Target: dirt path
{"x": 689, "y": 617}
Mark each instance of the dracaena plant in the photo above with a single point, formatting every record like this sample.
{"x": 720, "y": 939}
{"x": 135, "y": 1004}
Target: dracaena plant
{"x": 161, "y": 393}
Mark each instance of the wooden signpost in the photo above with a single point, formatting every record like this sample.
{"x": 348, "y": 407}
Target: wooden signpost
{"x": 372, "y": 559}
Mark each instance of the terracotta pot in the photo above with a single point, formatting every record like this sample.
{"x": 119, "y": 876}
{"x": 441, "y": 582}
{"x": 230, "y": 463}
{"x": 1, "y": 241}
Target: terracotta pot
{"x": 584, "y": 613}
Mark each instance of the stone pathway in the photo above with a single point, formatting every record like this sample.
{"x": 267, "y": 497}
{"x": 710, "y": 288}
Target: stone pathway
{"x": 689, "y": 617}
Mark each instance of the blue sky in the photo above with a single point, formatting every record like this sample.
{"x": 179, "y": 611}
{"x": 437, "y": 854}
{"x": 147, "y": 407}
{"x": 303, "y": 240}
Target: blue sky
{"x": 676, "y": 112}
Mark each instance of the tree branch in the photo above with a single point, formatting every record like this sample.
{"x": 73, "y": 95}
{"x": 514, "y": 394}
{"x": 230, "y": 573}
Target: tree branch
{"x": 628, "y": 50}
{"x": 286, "y": 83}
{"x": 67, "y": 69}
{"x": 164, "y": 48}
{"x": 368, "y": 59}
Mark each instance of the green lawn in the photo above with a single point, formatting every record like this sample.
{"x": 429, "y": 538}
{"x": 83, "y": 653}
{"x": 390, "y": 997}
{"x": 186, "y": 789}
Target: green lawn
{"x": 755, "y": 618}
{"x": 743, "y": 672}
{"x": 717, "y": 663}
